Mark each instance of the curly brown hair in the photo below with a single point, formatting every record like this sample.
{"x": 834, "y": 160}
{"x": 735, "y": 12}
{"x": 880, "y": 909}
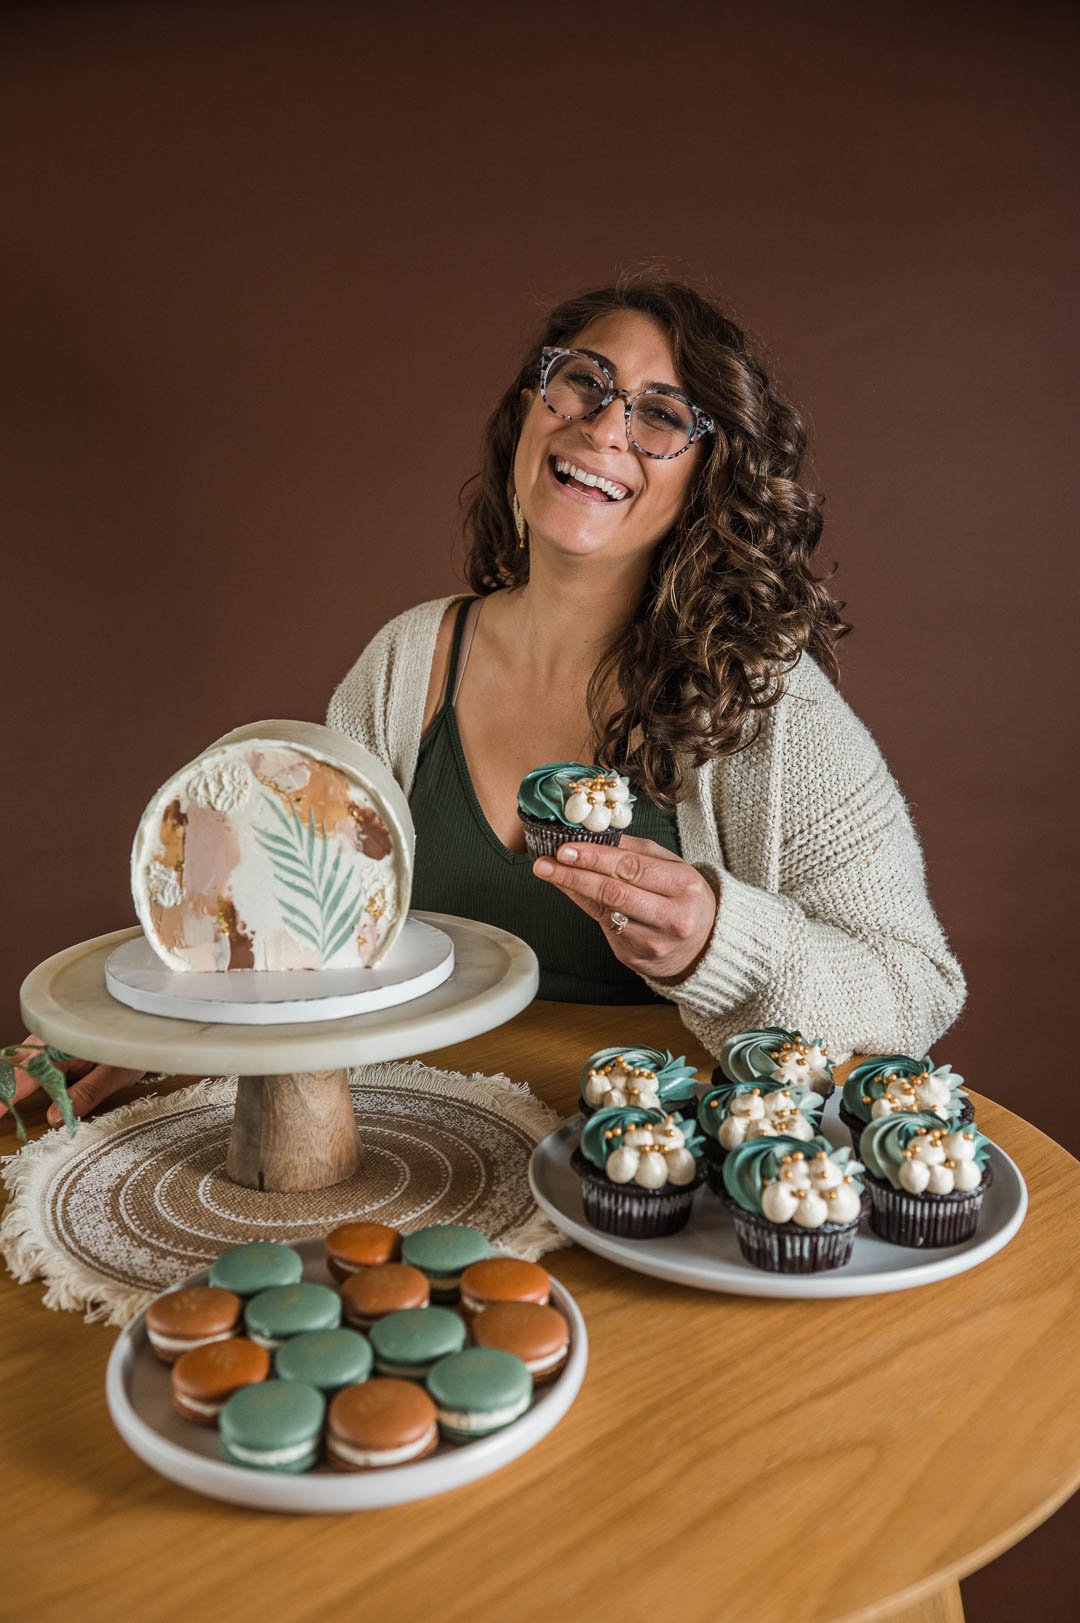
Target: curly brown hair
{"x": 731, "y": 601}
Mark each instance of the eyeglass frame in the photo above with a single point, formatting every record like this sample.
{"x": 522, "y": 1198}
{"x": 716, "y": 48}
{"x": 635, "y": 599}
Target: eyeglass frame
{"x": 703, "y": 423}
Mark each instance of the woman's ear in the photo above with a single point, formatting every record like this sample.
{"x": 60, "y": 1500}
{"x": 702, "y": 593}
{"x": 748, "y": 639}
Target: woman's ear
{"x": 527, "y": 396}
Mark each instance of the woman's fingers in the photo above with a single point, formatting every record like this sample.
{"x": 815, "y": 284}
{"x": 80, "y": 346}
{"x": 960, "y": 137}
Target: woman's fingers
{"x": 98, "y": 1084}
{"x": 645, "y": 848}
{"x": 602, "y": 893}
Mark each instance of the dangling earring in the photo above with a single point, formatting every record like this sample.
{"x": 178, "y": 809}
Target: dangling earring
{"x": 519, "y": 521}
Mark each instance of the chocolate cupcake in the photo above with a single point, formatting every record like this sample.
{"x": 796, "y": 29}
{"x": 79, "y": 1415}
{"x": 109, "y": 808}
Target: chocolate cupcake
{"x": 880, "y": 1087}
{"x": 795, "y": 1205}
{"x": 779, "y": 1055}
{"x": 734, "y": 1112}
{"x": 926, "y": 1179}
{"x": 639, "y": 1170}
{"x": 567, "y": 801}
{"x": 649, "y": 1077}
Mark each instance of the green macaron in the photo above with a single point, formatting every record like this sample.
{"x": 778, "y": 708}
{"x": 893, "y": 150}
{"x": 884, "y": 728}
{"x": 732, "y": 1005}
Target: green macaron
{"x": 276, "y": 1426}
{"x": 248, "y": 1269}
{"x": 288, "y": 1310}
{"x": 328, "y": 1359}
{"x": 478, "y": 1391}
{"x": 408, "y": 1342}
{"x": 443, "y": 1252}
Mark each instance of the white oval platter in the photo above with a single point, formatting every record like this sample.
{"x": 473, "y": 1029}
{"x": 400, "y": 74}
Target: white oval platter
{"x": 139, "y": 1395}
{"x": 421, "y": 958}
{"x": 706, "y": 1253}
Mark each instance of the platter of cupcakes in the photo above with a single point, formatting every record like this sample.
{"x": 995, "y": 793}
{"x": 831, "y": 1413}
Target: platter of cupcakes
{"x": 768, "y": 1180}
{"x": 364, "y": 1370}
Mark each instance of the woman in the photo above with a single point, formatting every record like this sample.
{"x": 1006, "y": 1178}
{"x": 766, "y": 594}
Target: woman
{"x": 639, "y": 546}
{"x": 640, "y": 558}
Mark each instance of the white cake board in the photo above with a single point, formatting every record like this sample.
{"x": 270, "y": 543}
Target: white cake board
{"x": 66, "y": 1002}
{"x": 421, "y": 958}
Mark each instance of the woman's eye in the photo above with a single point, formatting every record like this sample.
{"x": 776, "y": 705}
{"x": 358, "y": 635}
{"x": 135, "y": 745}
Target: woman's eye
{"x": 587, "y": 382}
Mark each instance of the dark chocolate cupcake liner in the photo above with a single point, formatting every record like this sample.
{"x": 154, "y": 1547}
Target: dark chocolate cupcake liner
{"x": 544, "y": 839}
{"x": 713, "y": 1156}
{"x": 785, "y": 1248}
{"x": 925, "y": 1221}
{"x": 628, "y": 1210}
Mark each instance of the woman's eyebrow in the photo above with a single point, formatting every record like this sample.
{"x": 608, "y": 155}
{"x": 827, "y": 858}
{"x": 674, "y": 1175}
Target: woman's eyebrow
{"x": 605, "y": 360}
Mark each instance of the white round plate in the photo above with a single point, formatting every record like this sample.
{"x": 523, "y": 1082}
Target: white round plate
{"x": 139, "y": 1394}
{"x": 421, "y": 958}
{"x": 706, "y": 1254}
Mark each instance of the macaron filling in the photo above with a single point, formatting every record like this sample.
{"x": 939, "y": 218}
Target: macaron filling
{"x": 480, "y": 1420}
{"x": 406, "y": 1372}
{"x": 271, "y": 1457}
{"x": 186, "y": 1343}
{"x": 382, "y": 1456}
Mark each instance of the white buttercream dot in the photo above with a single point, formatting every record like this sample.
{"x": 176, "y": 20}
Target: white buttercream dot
{"x": 652, "y": 1170}
{"x": 914, "y": 1176}
{"x": 958, "y": 1148}
{"x": 681, "y": 1167}
{"x": 941, "y": 1180}
{"x": 778, "y": 1202}
{"x": 622, "y": 1164}
{"x": 732, "y": 1132}
{"x": 929, "y": 1153}
{"x": 811, "y": 1211}
{"x": 825, "y": 1174}
{"x": 748, "y": 1104}
{"x": 621, "y": 816}
{"x": 598, "y": 819}
{"x": 619, "y": 790}
{"x": 597, "y": 1089}
{"x": 576, "y": 808}
{"x": 846, "y": 1204}
{"x": 967, "y": 1175}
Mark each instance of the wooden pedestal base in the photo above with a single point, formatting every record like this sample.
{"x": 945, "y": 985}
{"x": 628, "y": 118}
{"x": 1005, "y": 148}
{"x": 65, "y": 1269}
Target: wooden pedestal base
{"x": 293, "y": 1132}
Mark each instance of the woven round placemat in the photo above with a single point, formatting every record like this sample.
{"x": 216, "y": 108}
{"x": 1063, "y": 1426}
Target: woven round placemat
{"x": 138, "y": 1199}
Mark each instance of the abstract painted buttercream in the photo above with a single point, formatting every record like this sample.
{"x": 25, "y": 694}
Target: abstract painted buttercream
{"x": 283, "y": 846}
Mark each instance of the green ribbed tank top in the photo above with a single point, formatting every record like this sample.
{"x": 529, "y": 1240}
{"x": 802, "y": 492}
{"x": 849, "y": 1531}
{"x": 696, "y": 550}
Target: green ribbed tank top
{"x": 463, "y": 867}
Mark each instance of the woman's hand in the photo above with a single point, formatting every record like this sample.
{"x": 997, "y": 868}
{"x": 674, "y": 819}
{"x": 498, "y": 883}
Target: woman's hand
{"x": 92, "y": 1083}
{"x": 669, "y": 907}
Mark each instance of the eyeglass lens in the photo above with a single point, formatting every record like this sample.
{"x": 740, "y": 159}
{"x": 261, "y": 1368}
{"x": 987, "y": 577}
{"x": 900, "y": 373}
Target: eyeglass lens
{"x": 660, "y": 425}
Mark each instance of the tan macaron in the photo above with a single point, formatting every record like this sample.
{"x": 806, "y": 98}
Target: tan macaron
{"x": 370, "y": 1294}
{"x": 360, "y": 1245}
{"x": 188, "y": 1318}
{"x": 382, "y": 1423}
{"x": 503, "y": 1279}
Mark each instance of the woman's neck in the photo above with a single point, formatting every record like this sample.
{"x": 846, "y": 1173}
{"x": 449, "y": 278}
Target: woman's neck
{"x": 570, "y": 611}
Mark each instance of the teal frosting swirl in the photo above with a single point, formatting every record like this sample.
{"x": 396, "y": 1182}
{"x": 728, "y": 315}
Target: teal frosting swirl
{"x": 715, "y": 1107}
{"x": 675, "y": 1078}
{"x": 596, "y": 1146}
{"x": 884, "y": 1141}
{"x": 868, "y": 1081}
{"x": 759, "y": 1161}
{"x": 544, "y": 792}
{"x": 748, "y": 1055}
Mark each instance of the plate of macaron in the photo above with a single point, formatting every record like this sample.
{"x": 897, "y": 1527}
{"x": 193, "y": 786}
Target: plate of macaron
{"x": 366, "y": 1369}
{"x": 771, "y": 1180}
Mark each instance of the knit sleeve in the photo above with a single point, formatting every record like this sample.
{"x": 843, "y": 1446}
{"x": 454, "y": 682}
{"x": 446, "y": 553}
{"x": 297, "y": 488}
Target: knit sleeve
{"x": 847, "y": 946}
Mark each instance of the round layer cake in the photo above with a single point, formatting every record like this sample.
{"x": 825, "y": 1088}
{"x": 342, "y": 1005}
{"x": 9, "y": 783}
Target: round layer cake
{"x": 283, "y": 846}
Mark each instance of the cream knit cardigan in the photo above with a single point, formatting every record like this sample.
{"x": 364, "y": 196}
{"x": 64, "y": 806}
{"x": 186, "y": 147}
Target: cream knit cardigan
{"x": 823, "y": 923}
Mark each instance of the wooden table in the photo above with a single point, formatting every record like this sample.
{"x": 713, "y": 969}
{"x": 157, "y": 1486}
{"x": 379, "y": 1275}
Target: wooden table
{"x": 728, "y": 1458}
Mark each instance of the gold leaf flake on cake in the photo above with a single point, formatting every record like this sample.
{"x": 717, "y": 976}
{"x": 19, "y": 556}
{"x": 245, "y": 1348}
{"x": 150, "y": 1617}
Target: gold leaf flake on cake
{"x": 375, "y": 906}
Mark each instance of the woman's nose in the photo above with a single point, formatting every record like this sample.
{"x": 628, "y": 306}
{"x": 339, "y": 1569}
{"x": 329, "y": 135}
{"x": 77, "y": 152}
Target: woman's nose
{"x": 608, "y": 427}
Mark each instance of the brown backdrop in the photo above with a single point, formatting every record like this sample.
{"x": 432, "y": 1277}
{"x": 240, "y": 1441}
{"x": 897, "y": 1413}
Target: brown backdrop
{"x": 268, "y": 265}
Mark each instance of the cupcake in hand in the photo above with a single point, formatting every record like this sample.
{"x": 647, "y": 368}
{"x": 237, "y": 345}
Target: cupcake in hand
{"x": 926, "y": 1179}
{"x": 778, "y": 1055}
{"x": 880, "y": 1087}
{"x": 734, "y": 1112}
{"x": 649, "y": 1077}
{"x": 795, "y": 1204}
{"x": 639, "y": 1171}
{"x": 567, "y": 801}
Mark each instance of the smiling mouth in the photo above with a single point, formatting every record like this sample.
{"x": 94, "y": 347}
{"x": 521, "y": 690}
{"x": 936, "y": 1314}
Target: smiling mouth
{"x": 591, "y": 485}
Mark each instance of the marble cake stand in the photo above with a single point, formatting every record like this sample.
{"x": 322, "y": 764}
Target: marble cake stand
{"x": 294, "y": 1126}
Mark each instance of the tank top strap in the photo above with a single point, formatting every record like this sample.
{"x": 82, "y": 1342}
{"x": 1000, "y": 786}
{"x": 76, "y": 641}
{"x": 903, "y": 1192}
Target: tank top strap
{"x": 450, "y": 685}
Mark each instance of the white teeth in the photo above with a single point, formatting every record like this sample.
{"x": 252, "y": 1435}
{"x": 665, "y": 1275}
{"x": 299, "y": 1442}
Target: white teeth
{"x": 571, "y": 469}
